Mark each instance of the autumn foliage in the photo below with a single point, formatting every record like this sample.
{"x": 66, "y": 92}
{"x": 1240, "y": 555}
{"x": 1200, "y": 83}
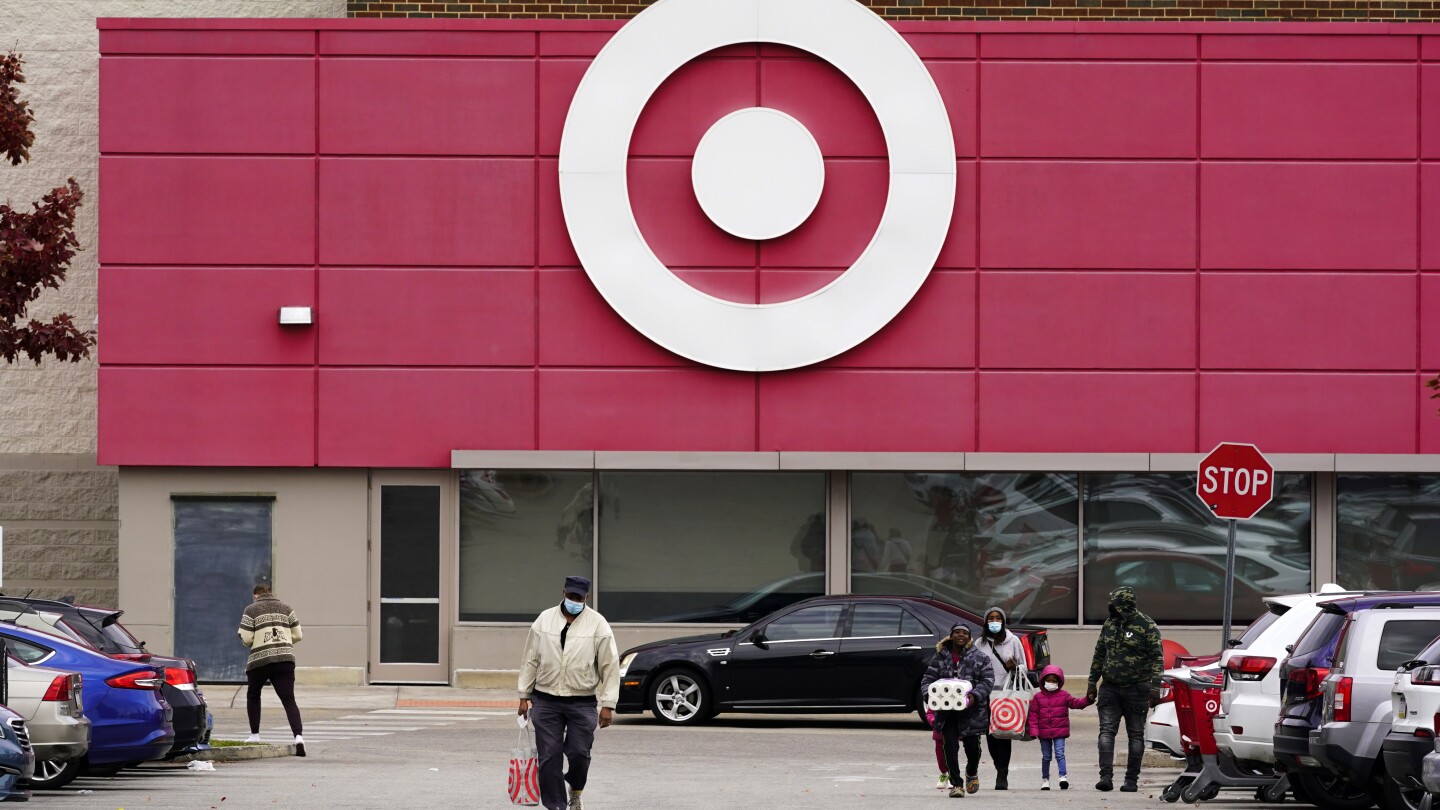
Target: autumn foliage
{"x": 35, "y": 246}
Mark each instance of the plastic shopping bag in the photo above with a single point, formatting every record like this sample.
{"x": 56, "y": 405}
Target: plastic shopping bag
{"x": 948, "y": 695}
{"x": 524, "y": 768}
{"x": 1010, "y": 707}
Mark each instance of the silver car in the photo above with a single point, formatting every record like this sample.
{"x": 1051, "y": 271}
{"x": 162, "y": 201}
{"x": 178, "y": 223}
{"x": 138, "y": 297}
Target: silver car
{"x": 1356, "y": 695}
{"x": 49, "y": 700}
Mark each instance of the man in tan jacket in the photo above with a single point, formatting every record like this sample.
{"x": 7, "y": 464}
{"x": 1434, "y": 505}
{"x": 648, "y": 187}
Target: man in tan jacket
{"x": 570, "y": 666}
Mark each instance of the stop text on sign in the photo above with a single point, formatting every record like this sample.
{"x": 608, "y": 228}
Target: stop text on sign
{"x": 1235, "y": 481}
{"x": 1243, "y": 482}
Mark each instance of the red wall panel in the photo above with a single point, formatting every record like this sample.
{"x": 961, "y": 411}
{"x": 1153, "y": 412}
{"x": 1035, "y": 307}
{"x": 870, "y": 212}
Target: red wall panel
{"x": 402, "y": 180}
{"x": 650, "y": 409}
{"x": 1321, "y": 216}
{"x": 410, "y": 211}
{"x": 207, "y": 210}
{"x": 251, "y": 106}
{"x": 1310, "y": 413}
{"x": 1307, "y": 321}
{"x": 1049, "y": 320}
{"x": 228, "y": 417}
{"x": 392, "y": 417}
{"x": 204, "y": 316}
{"x": 1104, "y": 412}
{"x": 418, "y": 317}
{"x": 1108, "y": 215}
{"x": 820, "y": 409}
{"x": 1273, "y": 110}
{"x": 427, "y": 107}
{"x": 1089, "y": 110}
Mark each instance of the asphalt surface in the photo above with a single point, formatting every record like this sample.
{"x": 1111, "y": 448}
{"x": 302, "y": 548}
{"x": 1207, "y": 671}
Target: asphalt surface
{"x": 378, "y": 748}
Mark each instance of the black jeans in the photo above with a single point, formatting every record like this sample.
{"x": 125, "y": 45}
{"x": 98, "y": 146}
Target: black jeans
{"x": 563, "y": 728}
{"x": 950, "y": 733}
{"x": 282, "y": 677}
{"x": 1132, "y": 703}
{"x": 1000, "y": 753}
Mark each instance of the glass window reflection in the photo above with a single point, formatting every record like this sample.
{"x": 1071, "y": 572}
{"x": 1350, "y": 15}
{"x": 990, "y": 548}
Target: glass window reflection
{"x": 973, "y": 539}
{"x": 521, "y": 533}
{"x": 1150, "y": 532}
{"x": 1387, "y": 531}
{"x": 709, "y": 546}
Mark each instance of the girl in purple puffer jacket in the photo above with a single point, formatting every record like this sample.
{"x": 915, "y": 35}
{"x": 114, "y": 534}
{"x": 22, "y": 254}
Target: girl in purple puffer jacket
{"x": 1050, "y": 721}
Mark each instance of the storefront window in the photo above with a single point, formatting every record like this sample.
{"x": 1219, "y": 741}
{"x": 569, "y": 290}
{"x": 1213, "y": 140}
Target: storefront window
{"x": 1387, "y": 532}
{"x": 1149, "y": 531}
{"x": 709, "y": 546}
{"x": 973, "y": 539}
{"x": 521, "y": 533}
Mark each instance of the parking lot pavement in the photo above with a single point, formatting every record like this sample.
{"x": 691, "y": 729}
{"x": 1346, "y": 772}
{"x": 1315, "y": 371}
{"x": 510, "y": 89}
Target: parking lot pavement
{"x": 455, "y": 752}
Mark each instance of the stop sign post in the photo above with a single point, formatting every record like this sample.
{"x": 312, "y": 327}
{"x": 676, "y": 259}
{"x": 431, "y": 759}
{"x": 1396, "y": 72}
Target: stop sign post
{"x": 1235, "y": 482}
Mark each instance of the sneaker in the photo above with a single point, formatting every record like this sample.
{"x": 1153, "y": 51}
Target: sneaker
{"x": 1129, "y": 787}
{"x": 253, "y": 738}
{"x": 1105, "y": 784}
{"x": 944, "y": 783}
{"x": 1044, "y": 784}
{"x": 957, "y": 792}
{"x": 575, "y": 802}
{"x": 1064, "y": 783}
{"x": 1002, "y": 784}
{"x": 972, "y": 784}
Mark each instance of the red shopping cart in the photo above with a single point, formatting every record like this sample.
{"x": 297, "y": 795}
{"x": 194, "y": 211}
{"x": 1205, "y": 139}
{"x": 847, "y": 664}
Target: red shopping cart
{"x": 1208, "y": 769}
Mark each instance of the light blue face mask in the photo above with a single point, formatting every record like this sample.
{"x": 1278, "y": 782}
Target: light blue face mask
{"x": 993, "y": 627}
{"x": 572, "y": 607}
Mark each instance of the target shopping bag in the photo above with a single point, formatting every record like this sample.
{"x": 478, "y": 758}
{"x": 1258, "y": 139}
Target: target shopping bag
{"x": 524, "y": 768}
{"x": 1010, "y": 707}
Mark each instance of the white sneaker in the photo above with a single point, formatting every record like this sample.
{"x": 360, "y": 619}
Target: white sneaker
{"x": 944, "y": 783}
{"x": 957, "y": 792}
{"x": 253, "y": 738}
{"x": 1044, "y": 784}
{"x": 1064, "y": 783}
{"x": 575, "y": 802}
{"x": 299, "y": 746}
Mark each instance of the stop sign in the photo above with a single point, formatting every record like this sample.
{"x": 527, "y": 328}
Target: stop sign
{"x": 1235, "y": 481}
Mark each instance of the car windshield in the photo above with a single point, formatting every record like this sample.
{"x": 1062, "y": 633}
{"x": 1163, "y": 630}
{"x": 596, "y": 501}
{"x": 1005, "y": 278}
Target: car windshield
{"x": 116, "y": 637}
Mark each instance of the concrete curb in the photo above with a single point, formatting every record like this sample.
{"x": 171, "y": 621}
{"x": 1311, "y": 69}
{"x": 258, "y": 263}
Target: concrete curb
{"x": 1155, "y": 759}
{"x": 238, "y": 753}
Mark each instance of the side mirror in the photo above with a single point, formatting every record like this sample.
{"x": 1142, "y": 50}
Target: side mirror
{"x": 758, "y": 638}
{"x": 1234, "y": 642}
{"x": 1289, "y": 648}
{"x": 1409, "y": 665}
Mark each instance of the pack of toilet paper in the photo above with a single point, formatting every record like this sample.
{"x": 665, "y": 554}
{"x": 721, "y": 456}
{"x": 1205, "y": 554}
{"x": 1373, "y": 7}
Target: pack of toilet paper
{"x": 948, "y": 695}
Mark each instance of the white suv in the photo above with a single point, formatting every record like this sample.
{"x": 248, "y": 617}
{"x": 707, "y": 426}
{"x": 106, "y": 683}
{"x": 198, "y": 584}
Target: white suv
{"x": 1250, "y": 700}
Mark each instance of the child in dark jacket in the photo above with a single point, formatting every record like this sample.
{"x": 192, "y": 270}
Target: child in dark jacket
{"x": 1050, "y": 721}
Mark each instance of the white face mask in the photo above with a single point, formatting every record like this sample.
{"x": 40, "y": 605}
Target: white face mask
{"x": 1051, "y": 686}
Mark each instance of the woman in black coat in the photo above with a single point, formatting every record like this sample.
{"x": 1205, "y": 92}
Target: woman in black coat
{"x": 956, "y": 657}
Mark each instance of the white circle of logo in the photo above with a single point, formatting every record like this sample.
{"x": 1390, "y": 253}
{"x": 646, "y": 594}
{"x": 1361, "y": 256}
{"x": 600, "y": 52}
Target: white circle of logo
{"x": 594, "y": 194}
{"x": 758, "y": 173}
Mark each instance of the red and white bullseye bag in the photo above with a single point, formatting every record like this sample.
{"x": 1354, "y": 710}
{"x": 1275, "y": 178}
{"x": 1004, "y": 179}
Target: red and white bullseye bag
{"x": 524, "y": 768}
{"x": 1010, "y": 707}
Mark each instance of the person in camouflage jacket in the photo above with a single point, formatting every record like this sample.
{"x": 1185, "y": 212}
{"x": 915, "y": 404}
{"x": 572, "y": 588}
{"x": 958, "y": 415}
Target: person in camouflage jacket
{"x": 1126, "y": 668}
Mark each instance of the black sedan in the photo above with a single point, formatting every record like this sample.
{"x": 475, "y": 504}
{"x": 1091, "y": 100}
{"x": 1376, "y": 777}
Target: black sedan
{"x": 827, "y": 654}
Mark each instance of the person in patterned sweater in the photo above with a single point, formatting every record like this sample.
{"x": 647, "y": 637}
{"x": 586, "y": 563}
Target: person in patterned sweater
{"x": 271, "y": 630}
{"x": 1126, "y": 667}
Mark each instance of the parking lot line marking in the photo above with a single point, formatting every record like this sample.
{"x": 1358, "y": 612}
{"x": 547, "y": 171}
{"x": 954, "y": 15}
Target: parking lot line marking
{"x": 440, "y": 713}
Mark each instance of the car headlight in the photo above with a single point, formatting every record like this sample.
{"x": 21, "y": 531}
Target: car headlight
{"x": 625, "y": 663}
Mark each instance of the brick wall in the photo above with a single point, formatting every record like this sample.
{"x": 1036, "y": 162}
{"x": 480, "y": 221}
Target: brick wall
{"x": 1250, "y": 10}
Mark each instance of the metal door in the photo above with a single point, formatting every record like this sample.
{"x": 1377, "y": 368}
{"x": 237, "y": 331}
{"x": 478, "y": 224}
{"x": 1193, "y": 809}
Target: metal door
{"x": 411, "y": 524}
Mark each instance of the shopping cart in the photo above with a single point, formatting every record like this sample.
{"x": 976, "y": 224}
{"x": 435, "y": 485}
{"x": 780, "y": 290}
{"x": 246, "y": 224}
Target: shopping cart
{"x": 1208, "y": 770}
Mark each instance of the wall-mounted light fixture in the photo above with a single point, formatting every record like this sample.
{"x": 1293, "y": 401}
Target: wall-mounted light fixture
{"x": 296, "y": 316}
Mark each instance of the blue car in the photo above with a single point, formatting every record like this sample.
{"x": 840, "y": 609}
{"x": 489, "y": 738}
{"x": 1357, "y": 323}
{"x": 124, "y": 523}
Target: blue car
{"x": 130, "y": 721}
{"x": 17, "y": 758}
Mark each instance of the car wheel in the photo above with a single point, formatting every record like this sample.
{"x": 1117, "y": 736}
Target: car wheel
{"x": 52, "y": 774}
{"x": 1334, "y": 792}
{"x": 1401, "y": 798}
{"x": 680, "y": 697}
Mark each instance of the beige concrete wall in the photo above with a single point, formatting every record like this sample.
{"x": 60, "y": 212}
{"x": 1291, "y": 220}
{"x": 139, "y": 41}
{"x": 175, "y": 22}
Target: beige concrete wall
{"x": 58, "y": 508}
{"x": 321, "y": 559}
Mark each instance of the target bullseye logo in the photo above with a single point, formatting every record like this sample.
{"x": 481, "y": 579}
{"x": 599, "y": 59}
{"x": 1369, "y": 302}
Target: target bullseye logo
{"x": 757, "y": 174}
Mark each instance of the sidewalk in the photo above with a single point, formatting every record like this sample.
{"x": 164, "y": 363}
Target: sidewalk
{"x": 365, "y": 698}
